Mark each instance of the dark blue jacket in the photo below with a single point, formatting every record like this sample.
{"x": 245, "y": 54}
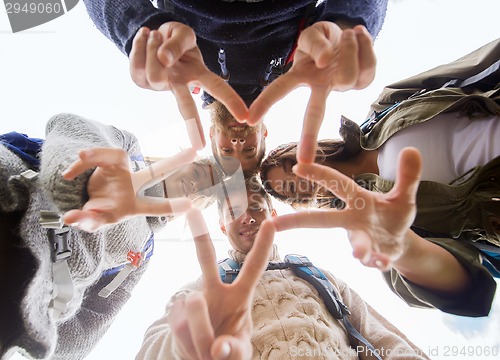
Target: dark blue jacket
{"x": 251, "y": 34}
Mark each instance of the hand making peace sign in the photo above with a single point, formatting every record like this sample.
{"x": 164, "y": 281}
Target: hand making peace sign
{"x": 217, "y": 323}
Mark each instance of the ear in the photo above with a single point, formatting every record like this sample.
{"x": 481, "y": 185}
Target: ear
{"x": 222, "y": 227}
{"x": 211, "y": 132}
{"x": 274, "y": 213}
{"x": 264, "y": 130}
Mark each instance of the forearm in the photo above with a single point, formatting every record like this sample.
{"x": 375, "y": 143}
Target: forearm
{"x": 119, "y": 20}
{"x": 433, "y": 267}
{"x": 370, "y": 13}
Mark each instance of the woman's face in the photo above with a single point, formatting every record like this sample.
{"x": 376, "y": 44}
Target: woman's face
{"x": 284, "y": 182}
{"x": 191, "y": 180}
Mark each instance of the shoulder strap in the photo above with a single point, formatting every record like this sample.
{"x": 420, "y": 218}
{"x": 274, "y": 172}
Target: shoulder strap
{"x": 485, "y": 78}
{"x": 228, "y": 270}
{"x": 303, "y": 268}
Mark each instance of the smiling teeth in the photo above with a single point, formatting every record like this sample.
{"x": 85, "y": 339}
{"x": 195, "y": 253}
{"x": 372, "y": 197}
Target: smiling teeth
{"x": 249, "y": 232}
{"x": 238, "y": 128}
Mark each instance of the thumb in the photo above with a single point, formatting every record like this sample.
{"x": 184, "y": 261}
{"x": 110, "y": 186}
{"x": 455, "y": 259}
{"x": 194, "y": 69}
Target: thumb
{"x": 177, "y": 40}
{"x": 227, "y": 347}
{"x": 408, "y": 175}
{"x": 315, "y": 42}
{"x": 85, "y": 220}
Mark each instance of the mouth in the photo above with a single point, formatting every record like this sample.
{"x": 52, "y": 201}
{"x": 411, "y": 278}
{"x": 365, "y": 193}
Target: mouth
{"x": 249, "y": 233}
{"x": 184, "y": 187}
{"x": 237, "y": 127}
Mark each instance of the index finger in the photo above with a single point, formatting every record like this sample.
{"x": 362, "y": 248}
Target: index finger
{"x": 273, "y": 93}
{"x": 189, "y": 112}
{"x": 314, "y": 219}
{"x": 313, "y": 118}
{"x": 91, "y": 158}
{"x": 257, "y": 259}
{"x": 342, "y": 186}
{"x": 224, "y": 93}
{"x": 204, "y": 248}
{"x": 158, "y": 170}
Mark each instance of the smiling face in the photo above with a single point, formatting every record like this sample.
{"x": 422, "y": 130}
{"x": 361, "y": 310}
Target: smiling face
{"x": 191, "y": 180}
{"x": 231, "y": 139}
{"x": 241, "y": 217}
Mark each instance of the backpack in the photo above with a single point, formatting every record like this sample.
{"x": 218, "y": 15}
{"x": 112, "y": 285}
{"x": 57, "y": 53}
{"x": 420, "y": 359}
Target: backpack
{"x": 303, "y": 268}
{"x": 59, "y": 235}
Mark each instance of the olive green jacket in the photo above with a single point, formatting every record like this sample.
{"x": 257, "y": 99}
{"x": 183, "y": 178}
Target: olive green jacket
{"x": 451, "y": 215}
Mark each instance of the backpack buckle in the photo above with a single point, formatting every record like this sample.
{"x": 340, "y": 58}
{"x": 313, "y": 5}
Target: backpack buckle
{"x": 60, "y": 243}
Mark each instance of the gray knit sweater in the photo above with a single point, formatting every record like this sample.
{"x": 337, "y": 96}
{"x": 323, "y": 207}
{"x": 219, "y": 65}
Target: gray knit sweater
{"x": 31, "y": 326}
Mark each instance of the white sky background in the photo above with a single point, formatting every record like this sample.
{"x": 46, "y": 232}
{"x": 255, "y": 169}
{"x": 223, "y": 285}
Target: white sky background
{"x": 68, "y": 66}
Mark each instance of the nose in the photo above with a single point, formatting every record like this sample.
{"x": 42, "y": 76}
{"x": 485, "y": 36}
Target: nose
{"x": 238, "y": 141}
{"x": 247, "y": 218}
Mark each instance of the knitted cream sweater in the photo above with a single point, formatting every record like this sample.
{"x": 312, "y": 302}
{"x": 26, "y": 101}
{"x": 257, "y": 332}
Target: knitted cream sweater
{"x": 290, "y": 321}
{"x": 88, "y": 316}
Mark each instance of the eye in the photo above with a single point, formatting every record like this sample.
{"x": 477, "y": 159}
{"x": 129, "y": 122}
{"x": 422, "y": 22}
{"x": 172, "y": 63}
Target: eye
{"x": 249, "y": 150}
{"x": 226, "y": 151}
{"x": 257, "y": 208}
{"x": 292, "y": 187}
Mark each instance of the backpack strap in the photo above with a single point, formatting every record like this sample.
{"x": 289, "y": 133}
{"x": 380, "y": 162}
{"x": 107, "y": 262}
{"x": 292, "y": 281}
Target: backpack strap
{"x": 303, "y": 268}
{"x": 228, "y": 270}
{"x": 481, "y": 79}
{"x": 60, "y": 242}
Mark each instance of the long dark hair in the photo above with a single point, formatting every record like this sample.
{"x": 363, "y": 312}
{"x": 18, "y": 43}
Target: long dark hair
{"x": 327, "y": 150}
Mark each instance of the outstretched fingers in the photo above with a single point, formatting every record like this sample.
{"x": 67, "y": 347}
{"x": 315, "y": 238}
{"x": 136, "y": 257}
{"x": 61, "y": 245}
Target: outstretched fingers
{"x": 315, "y": 42}
{"x": 223, "y": 92}
{"x": 91, "y": 158}
{"x": 256, "y": 260}
{"x": 202, "y": 333}
{"x": 366, "y": 57}
{"x": 138, "y": 58}
{"x": 154, "y": 206}
{"x": 342, "y": 186}
{"x": 274, "y": 92}
{"x": 189, "y": 112}
{"x": 313, "y": 118}
{"x": 86, "y": 220}
{"x": 155, "y": 172}
{"x": 204, "y": 248}
{"x": 348, "y": 68}
{"x": 178, "y": 39}
{"x": 313, "y": 219}
{"x": 408, "y": 175}
{"x": 226, "y": 347}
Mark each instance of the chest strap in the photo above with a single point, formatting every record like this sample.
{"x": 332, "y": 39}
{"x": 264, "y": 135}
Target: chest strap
{"x": 60, "y": 243}
{"x": 303, "y": 268}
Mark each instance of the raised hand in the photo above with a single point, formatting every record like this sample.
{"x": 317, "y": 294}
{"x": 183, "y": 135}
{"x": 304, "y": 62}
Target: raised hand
{"x": 217, "y": 323}
{"x": 378, "y": 224}
{"x": 169, "y": 59}
{"x": 327, "y": 58}
{"x": 112, "y": 188}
